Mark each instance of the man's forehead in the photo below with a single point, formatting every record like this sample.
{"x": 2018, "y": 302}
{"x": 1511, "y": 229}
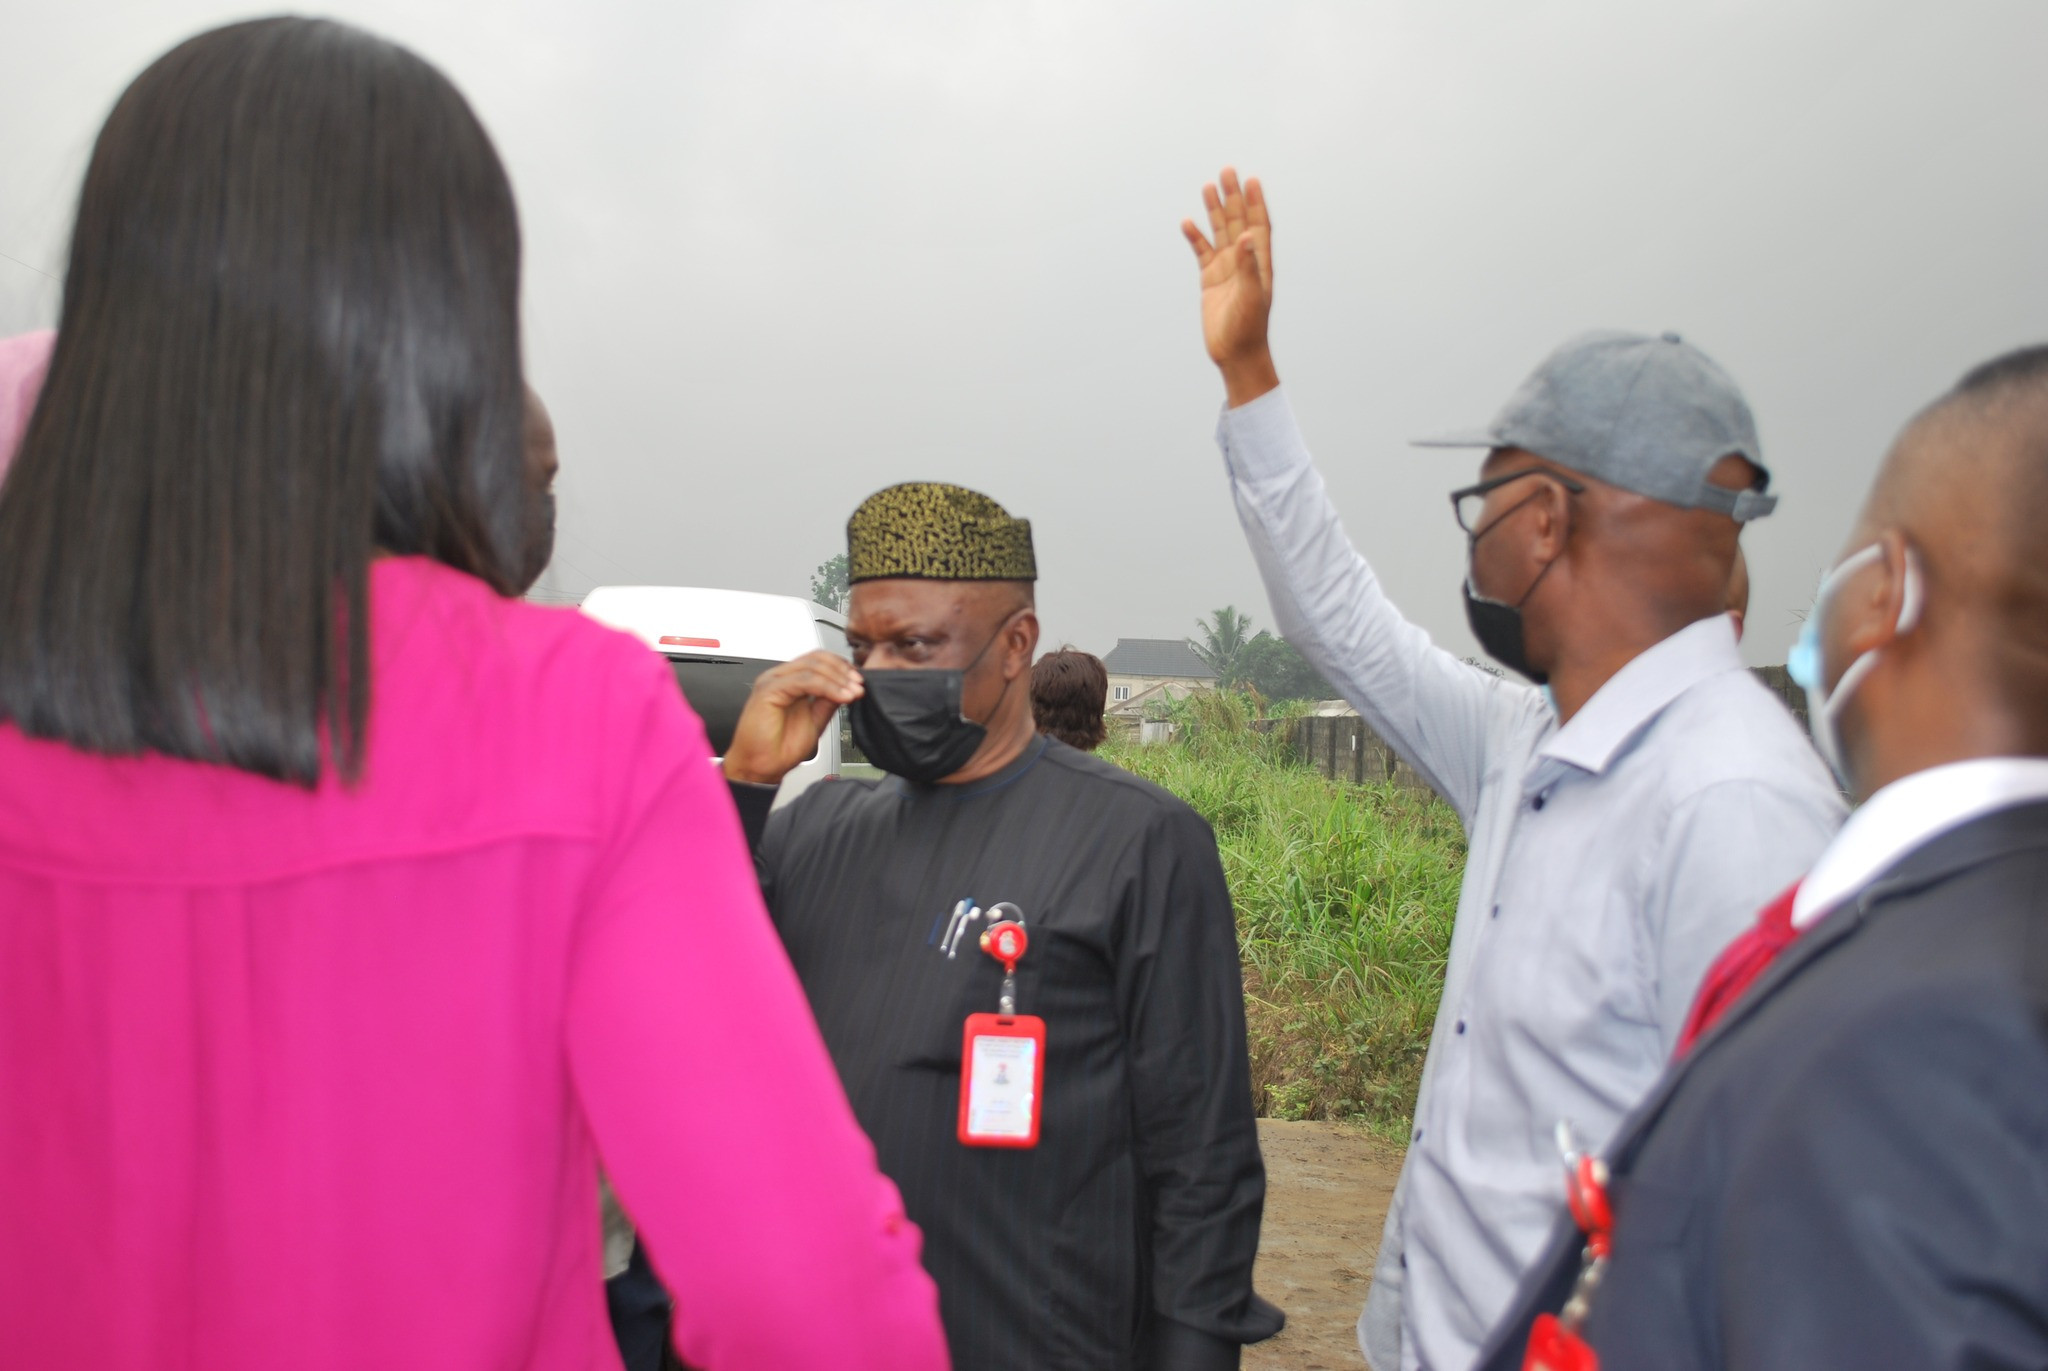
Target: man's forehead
{"x": 889, "y": 606}
{"x": 900, "y": 604}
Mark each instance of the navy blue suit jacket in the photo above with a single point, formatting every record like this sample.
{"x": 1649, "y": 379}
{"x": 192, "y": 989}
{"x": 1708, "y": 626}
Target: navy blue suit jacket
{"x": 1851, "y": 1169}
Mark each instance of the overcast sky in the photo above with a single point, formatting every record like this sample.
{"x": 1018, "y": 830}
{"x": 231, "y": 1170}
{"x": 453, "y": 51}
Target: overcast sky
{"x": 779, "y": 255}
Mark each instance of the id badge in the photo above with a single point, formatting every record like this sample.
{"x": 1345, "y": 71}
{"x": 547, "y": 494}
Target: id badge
{"x": 1002, "y": 1077}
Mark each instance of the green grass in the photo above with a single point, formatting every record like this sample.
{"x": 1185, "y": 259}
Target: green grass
{"x": 1345, "y": 896}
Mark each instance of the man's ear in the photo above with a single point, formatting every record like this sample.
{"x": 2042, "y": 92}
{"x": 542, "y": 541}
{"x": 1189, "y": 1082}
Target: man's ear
{"x": 1020, "y": 644}
{"x": 1876, "y": 608}
{"x": 1553, "y": 522}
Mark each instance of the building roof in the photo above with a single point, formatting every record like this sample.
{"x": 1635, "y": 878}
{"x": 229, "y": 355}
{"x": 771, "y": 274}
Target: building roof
{"x": 1156, "y": 657}
{"x": 1158, "y": 692}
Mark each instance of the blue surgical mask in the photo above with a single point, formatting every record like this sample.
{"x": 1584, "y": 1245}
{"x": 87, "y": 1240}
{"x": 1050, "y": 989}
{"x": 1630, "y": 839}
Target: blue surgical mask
{"x": 1805, "y": 666}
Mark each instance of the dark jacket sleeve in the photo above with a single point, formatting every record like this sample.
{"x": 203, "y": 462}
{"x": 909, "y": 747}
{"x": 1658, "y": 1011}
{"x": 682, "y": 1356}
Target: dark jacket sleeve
{"x": 765, "y": 832}
{"x": 753, "y": 802}
{"x": 1177, "y": 1347}
{"x": 1896, "y": 1214}
{"x": 1181, "y": 998}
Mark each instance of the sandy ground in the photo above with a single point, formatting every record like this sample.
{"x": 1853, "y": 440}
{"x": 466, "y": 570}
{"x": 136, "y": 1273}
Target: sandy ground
{"x": 1327, "y": 1187}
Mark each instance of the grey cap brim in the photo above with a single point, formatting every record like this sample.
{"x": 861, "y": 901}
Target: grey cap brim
{"x": 1647, "y": 415}
{"x": 1471, "y": 437}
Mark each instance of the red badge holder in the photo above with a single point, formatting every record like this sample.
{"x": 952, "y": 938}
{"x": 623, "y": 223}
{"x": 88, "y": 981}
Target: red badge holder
{"x": 1554, "y": 1341}
{"x": 1553, "y": 1347}
{"x": 1002, "y": 1057}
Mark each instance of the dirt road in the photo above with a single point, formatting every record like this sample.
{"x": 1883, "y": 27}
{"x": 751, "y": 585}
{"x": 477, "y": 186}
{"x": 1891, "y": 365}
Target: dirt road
{"x": 1327, "y": 1188}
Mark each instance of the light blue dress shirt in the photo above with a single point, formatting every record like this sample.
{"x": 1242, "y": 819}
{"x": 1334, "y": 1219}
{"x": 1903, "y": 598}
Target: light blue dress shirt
{"x": 1608, "y": 862}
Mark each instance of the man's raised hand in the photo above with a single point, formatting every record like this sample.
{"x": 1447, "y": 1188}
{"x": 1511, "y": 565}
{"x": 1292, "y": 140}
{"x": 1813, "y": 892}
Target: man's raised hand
{"x": 785, "y": 715}
{"x": 1237, "y": 284}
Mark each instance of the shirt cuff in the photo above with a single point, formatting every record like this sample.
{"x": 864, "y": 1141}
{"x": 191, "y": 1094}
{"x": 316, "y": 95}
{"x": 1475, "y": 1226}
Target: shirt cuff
{"x": 1177, "y": 1347}
{"x": 753, "y": 802}
{"x": 1260, "y": 439}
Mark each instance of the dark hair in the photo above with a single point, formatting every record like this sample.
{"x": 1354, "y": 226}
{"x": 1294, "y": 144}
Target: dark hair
{"x": 290, "y": 337}
{"x": 1068, "y": 691}
{"x": 2009, "y": 393}
{"x": 2027, "y": 366}
{"x": 2008, "y": 398}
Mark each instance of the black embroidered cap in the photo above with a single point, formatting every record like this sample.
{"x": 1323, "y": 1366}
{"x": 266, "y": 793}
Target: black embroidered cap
{"x": 932, "y": 531}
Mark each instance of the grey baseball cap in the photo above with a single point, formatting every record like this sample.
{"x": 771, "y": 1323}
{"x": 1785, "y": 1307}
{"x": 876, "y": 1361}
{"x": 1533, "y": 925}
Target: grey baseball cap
{"x": 1651, "y": 415}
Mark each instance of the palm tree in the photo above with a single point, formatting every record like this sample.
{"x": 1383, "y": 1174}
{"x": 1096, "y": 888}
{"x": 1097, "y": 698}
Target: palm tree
{"x": 1223, "y": 645}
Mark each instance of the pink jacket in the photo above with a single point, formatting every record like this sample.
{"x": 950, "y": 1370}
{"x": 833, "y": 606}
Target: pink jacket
{"x": 322, "y": 1079}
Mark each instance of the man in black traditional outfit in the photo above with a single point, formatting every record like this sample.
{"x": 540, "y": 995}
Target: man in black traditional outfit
{"x": 1123, "y": 1237}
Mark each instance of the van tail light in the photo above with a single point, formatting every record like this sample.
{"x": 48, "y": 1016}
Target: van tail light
{"x": 670, "y": 640}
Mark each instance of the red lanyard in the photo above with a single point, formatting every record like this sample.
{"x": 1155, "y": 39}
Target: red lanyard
{"x": 1554, "y": 1341}
{"x": 1002, "y": 1055}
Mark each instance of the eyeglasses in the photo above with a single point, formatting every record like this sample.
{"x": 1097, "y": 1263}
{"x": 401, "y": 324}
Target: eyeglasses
{"x": 1467, "y": 503}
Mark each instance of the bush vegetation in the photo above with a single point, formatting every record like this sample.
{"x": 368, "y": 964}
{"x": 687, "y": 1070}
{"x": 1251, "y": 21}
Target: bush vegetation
{"x": 1345, "y": 896}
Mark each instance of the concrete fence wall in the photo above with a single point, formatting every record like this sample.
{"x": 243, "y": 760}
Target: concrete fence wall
{"x": 1345, "y": 749}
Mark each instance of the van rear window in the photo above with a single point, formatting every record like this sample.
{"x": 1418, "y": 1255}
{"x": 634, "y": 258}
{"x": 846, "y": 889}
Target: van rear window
{"x": 716, "y": 688}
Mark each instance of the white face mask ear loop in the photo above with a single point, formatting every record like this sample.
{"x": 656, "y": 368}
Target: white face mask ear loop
{"x": 1851, "y": 678}
{"x": 1910, "y": 602}
{"x": 1823, "y": 703}
{"x": 1830, "y": 583}
{"x": 1909, "y": 614}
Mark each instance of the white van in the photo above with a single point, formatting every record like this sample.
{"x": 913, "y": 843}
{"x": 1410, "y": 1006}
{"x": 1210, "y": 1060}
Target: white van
{"x": 717, "y": 642}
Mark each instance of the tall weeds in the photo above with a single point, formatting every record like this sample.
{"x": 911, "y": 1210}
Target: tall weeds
{"x": 1345, "y": 896}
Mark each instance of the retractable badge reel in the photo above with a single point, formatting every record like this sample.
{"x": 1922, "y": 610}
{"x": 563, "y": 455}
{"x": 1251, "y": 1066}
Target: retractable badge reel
{"x": 1002, "y": 1055}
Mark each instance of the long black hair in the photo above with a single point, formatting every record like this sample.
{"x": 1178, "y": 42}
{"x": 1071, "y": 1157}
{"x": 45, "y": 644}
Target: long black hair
{"x": 290, "y": 338}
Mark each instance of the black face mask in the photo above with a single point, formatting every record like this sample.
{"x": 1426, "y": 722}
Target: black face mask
{"x": 1498, "y": 627}
{"x": 1496, "y": 623}
{"x": 908, "y": 722}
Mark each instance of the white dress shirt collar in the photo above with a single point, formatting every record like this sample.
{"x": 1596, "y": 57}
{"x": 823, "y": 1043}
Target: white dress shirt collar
{"x": 1905, "y": 815}
{"x": 1638, "y": 693}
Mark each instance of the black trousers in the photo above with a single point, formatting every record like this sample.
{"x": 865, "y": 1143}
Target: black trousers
{"x": 640, "y": 1315}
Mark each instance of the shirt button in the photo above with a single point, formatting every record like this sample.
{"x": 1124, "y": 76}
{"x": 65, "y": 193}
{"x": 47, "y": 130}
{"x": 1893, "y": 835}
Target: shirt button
{"x": 1461, "y": 1025}
{"x": 1496, "y": 911}
{"x": 1418, "y": 1135}
{"x": 1537, "y": 803}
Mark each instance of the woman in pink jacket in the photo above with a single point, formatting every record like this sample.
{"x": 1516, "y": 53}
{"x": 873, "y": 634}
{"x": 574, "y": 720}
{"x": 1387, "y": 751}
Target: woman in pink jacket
{"x": 353, "y": 912}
